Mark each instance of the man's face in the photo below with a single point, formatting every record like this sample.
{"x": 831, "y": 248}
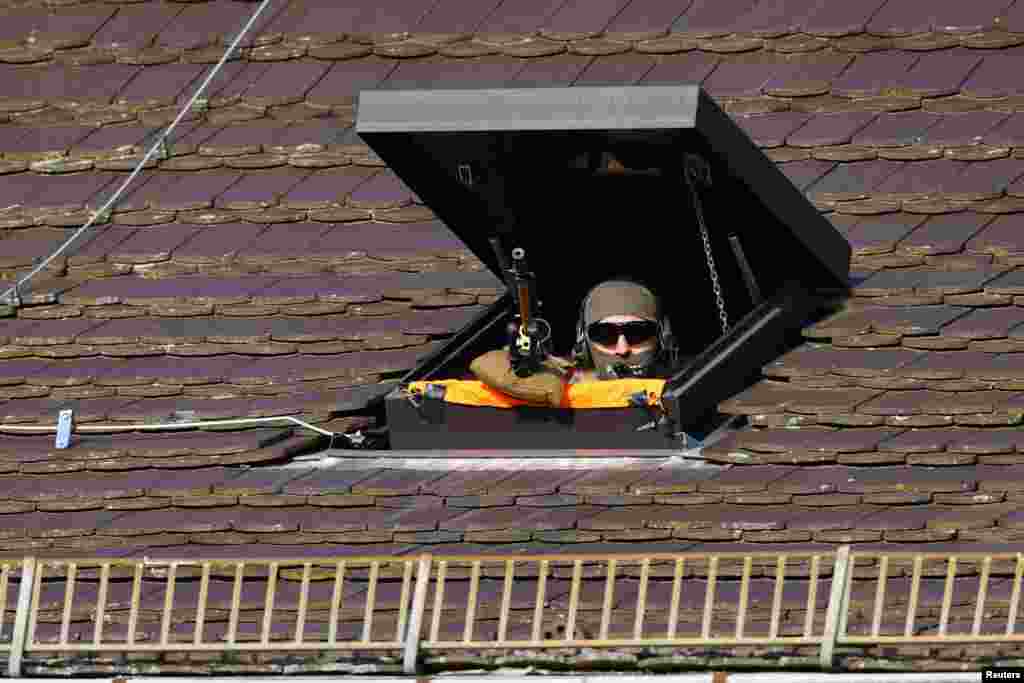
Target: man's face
{"x": 623, "y": 335}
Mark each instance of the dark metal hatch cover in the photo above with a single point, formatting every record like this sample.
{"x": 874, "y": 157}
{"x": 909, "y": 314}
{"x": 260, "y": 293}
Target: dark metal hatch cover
{"x": 590, "y": 181}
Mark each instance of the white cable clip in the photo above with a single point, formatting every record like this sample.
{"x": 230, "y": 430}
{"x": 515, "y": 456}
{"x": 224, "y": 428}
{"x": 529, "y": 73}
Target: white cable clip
{"x": 65, "y": 427}
{"x": 101, "y": 215}
{"x": 190, "y": 105}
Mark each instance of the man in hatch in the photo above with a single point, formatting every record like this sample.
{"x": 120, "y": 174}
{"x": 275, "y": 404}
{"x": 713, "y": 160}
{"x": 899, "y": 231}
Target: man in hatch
{"x": 621, "y": 333}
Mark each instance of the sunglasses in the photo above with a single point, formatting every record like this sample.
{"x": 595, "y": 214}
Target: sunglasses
{"x": 636, "y": 332}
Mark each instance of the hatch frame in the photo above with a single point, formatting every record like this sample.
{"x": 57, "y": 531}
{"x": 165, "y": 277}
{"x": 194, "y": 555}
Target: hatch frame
{"x": 420, "y": 135}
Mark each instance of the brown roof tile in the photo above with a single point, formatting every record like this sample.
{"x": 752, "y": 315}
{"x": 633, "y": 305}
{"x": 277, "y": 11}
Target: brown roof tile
{"x": 315, "y": 482}
{"x": 133, "y": 28}
{"x": 889, "y": 479}
{"x": 479, "y": 501}
{"x": 395, "y": 482}
{"x": 607, "y": 482}
{"x": 491, "y": 519}
{"x": 919, "y": 191}
{"x": 638, "y": 517}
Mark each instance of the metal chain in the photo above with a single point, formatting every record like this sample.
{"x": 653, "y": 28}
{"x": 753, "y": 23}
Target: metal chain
{"x": 696, "y": 165}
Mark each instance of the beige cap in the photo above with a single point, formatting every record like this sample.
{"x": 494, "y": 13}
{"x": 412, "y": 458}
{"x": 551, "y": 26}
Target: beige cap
{"x": 620, "y": 297}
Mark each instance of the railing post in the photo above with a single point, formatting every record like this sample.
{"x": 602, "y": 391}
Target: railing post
{"x": 21, "y": 617}
{"x": 419, "y": 603}
{"x": 836, "y": 605}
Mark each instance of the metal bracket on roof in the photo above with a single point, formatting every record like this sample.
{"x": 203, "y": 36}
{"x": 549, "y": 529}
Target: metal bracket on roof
{"x": 65, "y": 428}
{"x": 102, "y": 216}
{"x": 13, "y": 297}
{"x": 687, "y": 442}
{"x": 183, "y": 416}
{"x": 162, "y": 151}
{"x": 657, "y": 416}
{"x": 639, "y": 400}
{"x": 232, "y": 52}
{"x": 430, "y": 403}
{"x": 138, "y": 168}
{"x": 349, "y": 440}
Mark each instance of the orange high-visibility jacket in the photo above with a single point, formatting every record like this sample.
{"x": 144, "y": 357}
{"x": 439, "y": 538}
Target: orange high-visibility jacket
{"x": 612, "y": 393}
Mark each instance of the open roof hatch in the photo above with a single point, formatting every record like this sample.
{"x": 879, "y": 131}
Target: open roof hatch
{"x": 590, "y": 182}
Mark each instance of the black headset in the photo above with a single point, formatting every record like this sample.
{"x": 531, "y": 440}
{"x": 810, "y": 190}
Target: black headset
{"x": 666, "y": 340}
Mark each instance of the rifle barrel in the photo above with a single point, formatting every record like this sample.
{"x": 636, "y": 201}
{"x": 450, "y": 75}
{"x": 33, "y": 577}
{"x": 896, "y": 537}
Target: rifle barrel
{"x": 523, "y": 280}
{"x": 523, "y": 288}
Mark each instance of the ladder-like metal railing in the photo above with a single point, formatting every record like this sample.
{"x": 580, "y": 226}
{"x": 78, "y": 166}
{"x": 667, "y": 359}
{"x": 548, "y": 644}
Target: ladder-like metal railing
{"x": 660, "y": 596}
{"x": 419, "y": 604}
{"x": 986, "y": 624}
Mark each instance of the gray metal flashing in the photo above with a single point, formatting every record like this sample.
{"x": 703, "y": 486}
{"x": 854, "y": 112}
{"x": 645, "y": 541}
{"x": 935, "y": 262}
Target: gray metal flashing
{"x": 519, "y": 109}
{"x": 598, "y": 455}
{"x": 513, "y": 460}
{"x": 498, "y": 459}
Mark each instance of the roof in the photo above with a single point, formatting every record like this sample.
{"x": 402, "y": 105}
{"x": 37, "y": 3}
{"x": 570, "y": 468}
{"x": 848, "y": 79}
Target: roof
{"x": 272, "y": 265}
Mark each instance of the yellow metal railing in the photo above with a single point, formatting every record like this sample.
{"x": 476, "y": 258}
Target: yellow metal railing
{"x": 940, "y": 632}
{"x": 610, "y": 568}
{"x": 436, "y": 604}
{"x": 269, "y": 575}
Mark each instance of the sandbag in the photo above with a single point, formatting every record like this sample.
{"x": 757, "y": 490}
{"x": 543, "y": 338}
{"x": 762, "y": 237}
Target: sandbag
{"x": 546, "y": 387}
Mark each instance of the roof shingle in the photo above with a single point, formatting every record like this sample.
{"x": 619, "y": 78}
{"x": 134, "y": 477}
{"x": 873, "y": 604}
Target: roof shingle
{"x": 271, "y": 266}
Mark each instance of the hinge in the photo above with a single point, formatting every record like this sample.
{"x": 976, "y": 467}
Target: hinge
{"x": 697, "y": 170}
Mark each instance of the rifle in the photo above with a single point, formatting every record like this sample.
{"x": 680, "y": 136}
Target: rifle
{"x": 529, "y": 335}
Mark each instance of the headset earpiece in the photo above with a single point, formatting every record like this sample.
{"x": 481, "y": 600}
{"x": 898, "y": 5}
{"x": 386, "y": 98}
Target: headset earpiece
{"x": 581, "y": 350}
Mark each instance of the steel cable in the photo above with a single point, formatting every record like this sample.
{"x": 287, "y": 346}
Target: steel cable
{"x": 102, "y": 211}
{"x": 12, "y": 293}
{"x": 105, "y": 428}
